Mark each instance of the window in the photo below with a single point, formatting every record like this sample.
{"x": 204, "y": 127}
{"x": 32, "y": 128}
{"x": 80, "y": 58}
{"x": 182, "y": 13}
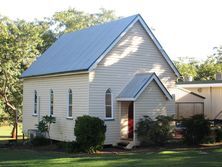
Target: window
{"x": 108, "y": 104}
{"x": 70, "y": 104}
{"x": 51, "y": 102}
{"x": 35, "y": 102}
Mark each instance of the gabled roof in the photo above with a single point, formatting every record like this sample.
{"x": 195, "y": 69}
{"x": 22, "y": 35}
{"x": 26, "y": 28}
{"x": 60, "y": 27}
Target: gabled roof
{"x": 138, "y": 84}
{"x": 83, "y": 50}
{"x": 187, "y": 91}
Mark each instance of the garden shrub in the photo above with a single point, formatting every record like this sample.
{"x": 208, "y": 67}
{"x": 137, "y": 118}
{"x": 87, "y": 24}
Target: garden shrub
{"x": 197, "y": 128}
{"x": 155, "y": 132}
{"x": 208, "y": 139}
{"x": 44, "y": 125}
{"x": 218, "y": 134}
{"x": 90, "y": 133}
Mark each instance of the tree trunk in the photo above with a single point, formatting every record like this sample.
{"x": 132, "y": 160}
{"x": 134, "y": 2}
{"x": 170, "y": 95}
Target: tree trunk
{"x": 13, "y": 133}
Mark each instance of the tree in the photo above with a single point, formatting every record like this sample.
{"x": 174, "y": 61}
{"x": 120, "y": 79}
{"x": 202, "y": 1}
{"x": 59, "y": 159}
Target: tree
{"x": 72, "y": 20}
{"x": 20, "y": 43}
{"x": 187, "y": 67}
{"x": 207, "y": 71}
{"x": 218, "y": 54}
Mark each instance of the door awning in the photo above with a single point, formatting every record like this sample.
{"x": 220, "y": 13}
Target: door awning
{"x": 138, "y": 84}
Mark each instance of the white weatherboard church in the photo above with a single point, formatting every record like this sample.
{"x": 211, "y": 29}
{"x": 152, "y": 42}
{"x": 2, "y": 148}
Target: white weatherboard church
{"x": 116, "y": 71}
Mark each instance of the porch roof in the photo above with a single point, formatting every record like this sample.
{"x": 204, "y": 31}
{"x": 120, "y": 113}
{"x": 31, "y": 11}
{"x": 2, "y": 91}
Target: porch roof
{"x": 138, "y": 84}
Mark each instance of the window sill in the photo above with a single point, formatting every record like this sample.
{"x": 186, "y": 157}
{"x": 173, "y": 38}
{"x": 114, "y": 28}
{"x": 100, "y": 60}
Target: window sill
{"x": 109, "y": 119}
{"x": 34, "y": 115}
{"x": 69, "y": 118}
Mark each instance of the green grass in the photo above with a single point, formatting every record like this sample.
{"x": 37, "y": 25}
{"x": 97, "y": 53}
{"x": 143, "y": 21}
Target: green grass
{"x": 5, "y": 132}
{"x": 11, "y": 158}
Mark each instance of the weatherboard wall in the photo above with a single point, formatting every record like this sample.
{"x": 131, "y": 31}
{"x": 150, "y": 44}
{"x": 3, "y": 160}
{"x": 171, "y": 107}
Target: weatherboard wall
{"x": 212, "y": 103}
{"x": 134, "y": 53}
{"x": 152, "y": 102}
{"x": 63, "y": 129}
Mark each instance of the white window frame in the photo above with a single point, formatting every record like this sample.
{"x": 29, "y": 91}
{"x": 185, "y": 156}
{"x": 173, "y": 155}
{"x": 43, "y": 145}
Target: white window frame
{"x": 51, "y": 91}
{"x": 68, "y": 105}
{"x": 35, "y": 106}
{"x": 109, "y": 118}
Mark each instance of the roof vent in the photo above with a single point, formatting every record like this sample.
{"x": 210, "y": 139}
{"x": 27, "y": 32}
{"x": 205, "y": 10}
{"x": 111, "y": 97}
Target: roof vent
{"x": 219, "y": 76}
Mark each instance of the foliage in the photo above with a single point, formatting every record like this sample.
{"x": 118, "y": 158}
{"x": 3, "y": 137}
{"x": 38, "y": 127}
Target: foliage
{"x": 154, "y": 131}
{"x": 73, "y": 20}
{"x": 207, "y": 71}
{"x": 218, "y": 134}
{"x": 218, "y": 54}
{"x": 187, "y": 67}
{"x": 90, "y": 133}
{"x": 208, "y": 139}
{"x": 44, "y": 125}
{"x": 20, "y": 43}
{"x": 40, "y": 141}
{"x": 196, "y": 129}
{"x": 201, "y": 70}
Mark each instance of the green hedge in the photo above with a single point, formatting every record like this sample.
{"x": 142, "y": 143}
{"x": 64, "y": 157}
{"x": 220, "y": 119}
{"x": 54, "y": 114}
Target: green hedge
{"x": 90, "y": 133}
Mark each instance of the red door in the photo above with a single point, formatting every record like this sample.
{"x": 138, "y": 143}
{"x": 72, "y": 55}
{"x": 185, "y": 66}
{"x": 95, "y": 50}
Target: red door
{"x": 130, "y": 121}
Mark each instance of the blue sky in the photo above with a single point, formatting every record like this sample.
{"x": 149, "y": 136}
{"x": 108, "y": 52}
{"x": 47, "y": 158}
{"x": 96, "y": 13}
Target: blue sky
{"x": 183, "y": 27}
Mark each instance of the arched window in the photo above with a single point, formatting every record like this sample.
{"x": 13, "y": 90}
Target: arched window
{"x": 51, "y": 102}
{"x": 70, "y": 104}
{"x": 35, "y": 102}
{"x": 108, "y": 104}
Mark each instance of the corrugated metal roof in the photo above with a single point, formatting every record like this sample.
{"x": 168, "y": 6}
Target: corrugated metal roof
{"x": 138, "y": 84}
{"x": 200, "y": 82}
{"x": 135, "y": 85}
{"x": 77, "y": 51}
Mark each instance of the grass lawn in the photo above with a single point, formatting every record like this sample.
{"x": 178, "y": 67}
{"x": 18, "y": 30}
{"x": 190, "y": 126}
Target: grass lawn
{"x": 213, "y": 157}
{"x": 5, "y": 132}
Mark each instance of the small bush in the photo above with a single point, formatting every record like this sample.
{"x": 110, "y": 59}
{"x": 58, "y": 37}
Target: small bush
{"x": 218, "y": 134}
{"x": 44, "y": 125}
{"x": 208, "y": 139}
{"x": 197, "y": 128}
{"x": 40, "y": 141}
{"x": 90, "y": 133}
{"x": 156, "y": 132}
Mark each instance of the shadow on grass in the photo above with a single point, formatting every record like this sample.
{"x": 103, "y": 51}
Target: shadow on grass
{"x": 179, "y": 158}
{"x": 2, "y": 137}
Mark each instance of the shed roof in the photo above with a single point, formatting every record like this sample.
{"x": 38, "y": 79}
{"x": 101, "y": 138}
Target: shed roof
{"x": 84, "y": 49}
{"x": 190, "y": 92}
{"x": 138, "y": 84}
{"x": 199, "y": 84}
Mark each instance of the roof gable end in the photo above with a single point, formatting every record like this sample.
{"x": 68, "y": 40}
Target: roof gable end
{"x": 149, "y": 33}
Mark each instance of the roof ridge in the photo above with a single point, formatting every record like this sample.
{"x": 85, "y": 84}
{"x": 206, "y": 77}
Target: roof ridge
{"x": 101, "y": 24}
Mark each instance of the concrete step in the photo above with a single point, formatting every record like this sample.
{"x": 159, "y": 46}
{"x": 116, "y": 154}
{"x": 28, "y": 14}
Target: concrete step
{"x": 126, "y": 144}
